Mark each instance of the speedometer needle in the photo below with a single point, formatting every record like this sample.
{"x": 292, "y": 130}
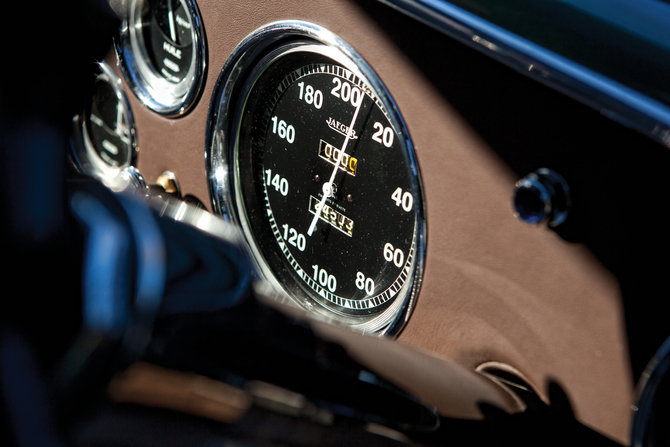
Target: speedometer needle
{"x": 173, "y": 33}
{"x": 328, "y": 187}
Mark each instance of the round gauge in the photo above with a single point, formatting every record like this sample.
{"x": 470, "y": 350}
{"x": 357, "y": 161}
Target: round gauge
{"x": 323, "y": 178}
{"x": 162, "y": 48}
{"x": 105, "y": 139}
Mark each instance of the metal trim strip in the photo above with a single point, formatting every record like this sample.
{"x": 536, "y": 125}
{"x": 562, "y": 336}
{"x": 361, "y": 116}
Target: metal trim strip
{"x": 612, "y": 99}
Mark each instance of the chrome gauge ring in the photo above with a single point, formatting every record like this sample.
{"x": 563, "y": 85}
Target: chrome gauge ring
{"x": 309, "y": 155}
{"x": 104, "y": 136}
{"x": 650, "y": 427}
{"x": 162, "y": 48}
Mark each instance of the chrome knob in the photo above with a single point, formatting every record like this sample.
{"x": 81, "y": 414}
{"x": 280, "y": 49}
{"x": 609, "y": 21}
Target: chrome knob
{"x": 543, "y": 196}
{"x": 128, "y": 179}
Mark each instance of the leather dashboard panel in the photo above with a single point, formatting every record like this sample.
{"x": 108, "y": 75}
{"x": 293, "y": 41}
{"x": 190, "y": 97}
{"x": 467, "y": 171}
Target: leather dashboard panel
{"x": 493, "y": 288}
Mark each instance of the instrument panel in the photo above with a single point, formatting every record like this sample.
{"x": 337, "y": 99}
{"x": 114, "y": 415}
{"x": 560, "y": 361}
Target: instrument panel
{"x": 479, "y": 288}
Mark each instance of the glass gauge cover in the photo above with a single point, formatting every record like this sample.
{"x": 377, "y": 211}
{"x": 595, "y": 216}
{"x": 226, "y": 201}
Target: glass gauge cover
{"x": 323, "y": 176}
{"x": 163, "y": 53}
{"x": 105, "y": 139}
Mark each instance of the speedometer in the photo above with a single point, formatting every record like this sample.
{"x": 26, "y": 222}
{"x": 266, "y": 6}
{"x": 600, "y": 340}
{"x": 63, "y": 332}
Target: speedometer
{"x": 323, "y": 178}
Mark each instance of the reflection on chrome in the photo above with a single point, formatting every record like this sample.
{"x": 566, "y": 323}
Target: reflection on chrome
{"x": 192, "y": 215}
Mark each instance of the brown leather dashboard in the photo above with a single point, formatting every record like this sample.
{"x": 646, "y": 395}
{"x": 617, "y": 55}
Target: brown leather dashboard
{"x": 495, "y": 291}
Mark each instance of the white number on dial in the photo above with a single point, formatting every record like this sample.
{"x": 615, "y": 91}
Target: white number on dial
{"x": 285, "y": 131}
{"x": 311, "y": 96}
{"x": 397, "y": 256}
{"x": 280, "y": 183}
{"x": 324, "y": 278}
{"x": 294, "y": 238}
{"x": 384, "y": 135}
{"x": 363, "y": 283}
{"x": 346, "y": 92}
{"x": 403, "y": 199}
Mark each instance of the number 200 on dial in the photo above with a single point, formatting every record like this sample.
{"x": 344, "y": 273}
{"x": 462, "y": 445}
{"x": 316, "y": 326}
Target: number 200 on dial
{"x": 327, "y": 187}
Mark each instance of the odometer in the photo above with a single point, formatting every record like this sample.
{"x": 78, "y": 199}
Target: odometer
{"x": 325, "y": 183}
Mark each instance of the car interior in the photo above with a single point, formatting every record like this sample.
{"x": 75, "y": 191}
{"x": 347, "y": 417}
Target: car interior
{"x": 334, "y": 222}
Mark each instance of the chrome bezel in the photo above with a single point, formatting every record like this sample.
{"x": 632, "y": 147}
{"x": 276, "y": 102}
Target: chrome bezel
{"x": 656, "y": 371}
{"x": 255, "y": 53}
{"x": 83, "y": 152}
{"x": 154, "y": 91}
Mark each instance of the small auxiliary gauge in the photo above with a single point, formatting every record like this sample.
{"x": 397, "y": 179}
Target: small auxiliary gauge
{"x": 105, "y": 141}
{"x": 163, "y": 53}
{"x": 309, "y": 154}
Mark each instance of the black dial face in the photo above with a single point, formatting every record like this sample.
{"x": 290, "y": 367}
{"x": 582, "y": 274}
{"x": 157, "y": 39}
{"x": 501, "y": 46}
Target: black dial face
{"x": 168, "y": 34}
{"x": 107, "y": 127}
{"x": 162, "y": 48}
{"x": 343, "y": 239}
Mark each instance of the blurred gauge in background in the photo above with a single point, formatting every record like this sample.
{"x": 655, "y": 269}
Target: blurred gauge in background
{"x": 105, "y": 139}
